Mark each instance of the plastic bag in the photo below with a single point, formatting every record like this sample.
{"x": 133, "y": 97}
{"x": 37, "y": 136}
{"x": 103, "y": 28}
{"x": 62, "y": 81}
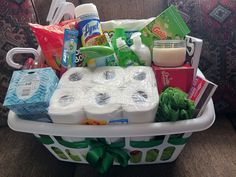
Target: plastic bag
{"x": 50, "y": 38}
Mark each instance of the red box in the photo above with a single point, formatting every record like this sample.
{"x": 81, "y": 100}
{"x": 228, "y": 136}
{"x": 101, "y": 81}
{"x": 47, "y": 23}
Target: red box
{"x": 180, "y": 77}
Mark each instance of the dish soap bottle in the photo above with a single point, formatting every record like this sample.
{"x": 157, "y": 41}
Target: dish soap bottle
{"x": 125, "y": 55}
{"x": 141, "y": 50}
{"x": 118, "y": 33}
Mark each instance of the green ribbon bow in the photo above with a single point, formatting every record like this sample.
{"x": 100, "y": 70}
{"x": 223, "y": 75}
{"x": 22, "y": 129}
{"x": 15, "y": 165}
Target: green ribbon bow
{"x": 102, "y": 155}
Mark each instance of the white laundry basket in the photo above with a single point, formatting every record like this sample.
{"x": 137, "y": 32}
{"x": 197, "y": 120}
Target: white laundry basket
{"x": 71, "y": 142}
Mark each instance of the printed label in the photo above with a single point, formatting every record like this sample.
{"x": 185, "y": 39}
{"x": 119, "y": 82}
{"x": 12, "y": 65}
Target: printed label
{"x": 139, "y": 97}
{"x": 195, "y": 91}
{"x": 140, "y": 76}
{"x": 75, "y": 76}
{"x": 157, "y": 31}
{"x": 94, "y": 122}
{"x": 165, "y": 78}
{"x": 27, "y": 86}
{"x": 108, "y": 75}
{"x": 90, "y": 29}
{"x": 102, "y": 98}
{"x": 90, "y": 121}
{"x": 66, "y": 100}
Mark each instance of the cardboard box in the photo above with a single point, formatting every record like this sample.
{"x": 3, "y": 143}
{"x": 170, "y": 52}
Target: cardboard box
{"x": 193, "y": 52}
{"x": 180, "y": 77}
{"x": 200, "y": 93}
{"x": 30, "y": 91}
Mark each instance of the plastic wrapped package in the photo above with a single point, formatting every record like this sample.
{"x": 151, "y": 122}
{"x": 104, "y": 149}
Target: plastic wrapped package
{"x": 103, "y": 106}
{"x": 140, "y": 75}
{"x": 109, "y": 76}
{"x": 77, "y": 76}
{"x": 66, "y": 106}
{"x": 140, "y": 103}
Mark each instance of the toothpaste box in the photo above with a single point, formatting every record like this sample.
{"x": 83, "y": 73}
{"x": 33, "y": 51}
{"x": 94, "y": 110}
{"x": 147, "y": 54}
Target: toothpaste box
{"x": 30, "y": 91}
{"x": 168, "y": 25}
{"x": 200, "y": 93}
{"x": 180, "y": 77}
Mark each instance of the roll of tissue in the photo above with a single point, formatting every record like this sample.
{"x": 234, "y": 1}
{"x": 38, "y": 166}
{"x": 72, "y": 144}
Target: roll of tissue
{"x": 103, "y": 106}
{"x": 109, "y": 76}
{"x": 66, "y": 106}
{"x": 140, "y": 104}
{"x": 77, "y": 76}
{"x": 140, "y": 75}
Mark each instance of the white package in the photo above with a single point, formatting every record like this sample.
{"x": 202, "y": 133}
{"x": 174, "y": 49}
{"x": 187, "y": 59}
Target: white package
{"x": 140, "y": 104}
{"x": 66, "y": 106}
{"x": 140, "y": 75}
{"x": 112, "y": 75}
{"x": 103, "y": 106}
{"x": 77, "y": 76}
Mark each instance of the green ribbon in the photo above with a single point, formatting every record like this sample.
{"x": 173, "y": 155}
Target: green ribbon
{"x": 102, "y": 155}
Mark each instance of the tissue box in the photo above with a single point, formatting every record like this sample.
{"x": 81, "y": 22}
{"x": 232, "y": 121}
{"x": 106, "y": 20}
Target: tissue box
{"x": 180, "y": 77}
{"x": 29, "y": 91}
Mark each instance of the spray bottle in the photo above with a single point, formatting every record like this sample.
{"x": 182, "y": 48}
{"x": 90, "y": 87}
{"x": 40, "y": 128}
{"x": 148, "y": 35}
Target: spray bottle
{"x": 125, "y": 55}
{"x": 141, "y": 50}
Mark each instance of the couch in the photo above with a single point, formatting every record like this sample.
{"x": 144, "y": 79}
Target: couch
{"x": 213, "y": 21}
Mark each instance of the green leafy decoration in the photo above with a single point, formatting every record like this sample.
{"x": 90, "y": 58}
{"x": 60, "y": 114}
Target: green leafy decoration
{"x": 174, "y": 105}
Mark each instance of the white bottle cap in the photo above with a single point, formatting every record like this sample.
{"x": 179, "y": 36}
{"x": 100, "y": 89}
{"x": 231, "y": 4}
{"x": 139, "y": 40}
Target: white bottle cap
{"x": 84, "y": 9}
{"x": 120, "y": 42}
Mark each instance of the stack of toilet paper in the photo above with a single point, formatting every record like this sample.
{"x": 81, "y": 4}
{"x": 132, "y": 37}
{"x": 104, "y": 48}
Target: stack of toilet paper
{"x": 114, "y": 96}
{"x": 76, "y": 77}
{"x": 66, "y": 106}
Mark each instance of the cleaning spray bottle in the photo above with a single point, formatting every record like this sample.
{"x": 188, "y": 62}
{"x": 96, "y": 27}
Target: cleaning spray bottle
{"x": 118, "y": 32}
{"x": 141, "y": 50}
{"x": 125, "y": 55}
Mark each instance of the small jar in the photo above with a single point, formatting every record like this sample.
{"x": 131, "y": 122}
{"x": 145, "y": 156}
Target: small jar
{"x": 169, "y": 53}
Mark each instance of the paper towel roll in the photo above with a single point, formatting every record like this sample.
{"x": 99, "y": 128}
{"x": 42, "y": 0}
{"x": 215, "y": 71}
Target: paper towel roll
{"x": 66, "y": 106}
{"x": 103, "y": 106}
{"x": 78, "y": 76}
{"x": 140, "y": 75}
{"x": 140, "y": 104}
{"x": 109, "y": 76}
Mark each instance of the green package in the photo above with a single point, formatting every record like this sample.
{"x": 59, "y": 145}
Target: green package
{"x": 168, "y": 25}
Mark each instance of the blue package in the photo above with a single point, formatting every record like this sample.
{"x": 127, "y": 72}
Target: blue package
{"x": 30, "y": 91}
{"x": 69, "y": 49}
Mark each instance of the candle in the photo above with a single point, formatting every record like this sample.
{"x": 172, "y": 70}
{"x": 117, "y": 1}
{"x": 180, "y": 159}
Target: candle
{"x": 169, "y": 53}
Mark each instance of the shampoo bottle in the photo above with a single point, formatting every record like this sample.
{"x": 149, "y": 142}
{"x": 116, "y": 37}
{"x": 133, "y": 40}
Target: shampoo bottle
{"x": 141, "y": 50}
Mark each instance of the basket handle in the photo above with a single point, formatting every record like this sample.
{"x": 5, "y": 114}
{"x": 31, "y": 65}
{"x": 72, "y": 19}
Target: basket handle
{"x": 18, "y": 50}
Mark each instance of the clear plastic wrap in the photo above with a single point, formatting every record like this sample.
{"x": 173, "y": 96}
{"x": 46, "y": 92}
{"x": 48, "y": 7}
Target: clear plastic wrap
{"x": 109, "y": 76}
{"x": 75, "y": 77}
{"x": 66, "y": 106}
{"x": 115, "y": 95}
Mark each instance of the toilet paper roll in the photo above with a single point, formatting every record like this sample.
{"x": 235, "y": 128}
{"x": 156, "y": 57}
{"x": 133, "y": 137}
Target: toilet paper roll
{"x": 109, "y": 76}
{"x": 77, "y": 76}
{"x": 140, "y": 104}
{"x": 66, "y": 106}
{"x": 103, "y": 106}
{"x": 140, "y": 75}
